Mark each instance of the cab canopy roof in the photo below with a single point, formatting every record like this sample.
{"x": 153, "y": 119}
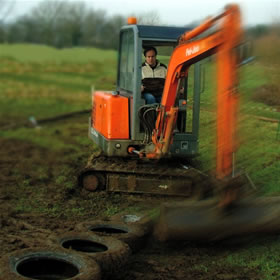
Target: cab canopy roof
{"x": 161, "y": 32}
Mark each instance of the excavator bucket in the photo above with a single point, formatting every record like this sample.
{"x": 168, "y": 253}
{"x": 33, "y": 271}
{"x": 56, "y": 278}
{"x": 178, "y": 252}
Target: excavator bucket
{"x": 204, "y": 220}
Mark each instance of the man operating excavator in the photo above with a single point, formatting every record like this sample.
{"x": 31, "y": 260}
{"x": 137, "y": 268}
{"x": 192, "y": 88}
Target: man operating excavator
{"x": 153, "y": 76}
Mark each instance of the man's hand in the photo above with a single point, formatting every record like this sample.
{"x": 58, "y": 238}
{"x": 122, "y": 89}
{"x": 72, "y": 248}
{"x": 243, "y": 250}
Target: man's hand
{"x": 181, "y": 91}
{"x": 142, "y": 88}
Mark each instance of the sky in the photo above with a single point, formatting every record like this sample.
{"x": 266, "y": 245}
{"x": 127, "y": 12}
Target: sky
{"x": 176, "y": 12}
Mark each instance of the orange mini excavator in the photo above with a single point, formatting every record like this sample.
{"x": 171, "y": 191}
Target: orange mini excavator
{"x": 145, "y": 147}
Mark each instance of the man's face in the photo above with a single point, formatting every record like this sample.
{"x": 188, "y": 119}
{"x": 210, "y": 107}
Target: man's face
{"x": 151, "y": 58}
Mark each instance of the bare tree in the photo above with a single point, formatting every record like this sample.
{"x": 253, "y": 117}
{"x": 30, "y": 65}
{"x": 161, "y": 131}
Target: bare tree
{"x": 63, "y": 23}
{"x": 148, "y": 18}
{"x": 6, "y": 7}
{"x": 60, "y": 21}
{"x": 93, "y": 28}
{"x": 275, "y": 19}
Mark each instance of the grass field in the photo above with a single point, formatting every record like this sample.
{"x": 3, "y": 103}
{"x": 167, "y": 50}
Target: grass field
{"x": 42, "y": 54}
{"x": 40, "y": 82}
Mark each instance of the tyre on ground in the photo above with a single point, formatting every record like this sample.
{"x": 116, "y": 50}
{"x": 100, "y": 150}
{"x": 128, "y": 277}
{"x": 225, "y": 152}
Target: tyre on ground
{"x": 133, "y": 235}
{"x": 110, "y": 253}
{"x": 48, "y": 263}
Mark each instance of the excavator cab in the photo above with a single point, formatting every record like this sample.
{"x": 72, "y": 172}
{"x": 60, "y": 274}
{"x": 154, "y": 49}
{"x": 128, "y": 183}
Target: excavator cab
{"x": 124, "y": 113}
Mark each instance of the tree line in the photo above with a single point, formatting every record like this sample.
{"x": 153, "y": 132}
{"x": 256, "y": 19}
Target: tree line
{"x": 60, "y": 24}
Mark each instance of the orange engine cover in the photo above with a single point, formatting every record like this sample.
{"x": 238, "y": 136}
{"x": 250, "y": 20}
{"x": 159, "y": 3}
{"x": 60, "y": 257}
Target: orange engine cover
{"x": 110, "y": 115}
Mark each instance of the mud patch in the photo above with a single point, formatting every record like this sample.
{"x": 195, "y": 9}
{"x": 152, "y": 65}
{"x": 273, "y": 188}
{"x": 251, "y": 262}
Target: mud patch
{"x": 268, "y": 94}
{"x": 39, "y": 200}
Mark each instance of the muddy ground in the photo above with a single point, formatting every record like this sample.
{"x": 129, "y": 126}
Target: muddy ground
{"x": 39, "y": 198}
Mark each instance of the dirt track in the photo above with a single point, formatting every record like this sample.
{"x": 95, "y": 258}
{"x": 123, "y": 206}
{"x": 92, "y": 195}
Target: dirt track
{"x": 35, "y": 207}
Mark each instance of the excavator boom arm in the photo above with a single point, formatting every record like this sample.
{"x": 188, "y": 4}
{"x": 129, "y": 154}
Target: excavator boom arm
{"x": 223, "y": 43}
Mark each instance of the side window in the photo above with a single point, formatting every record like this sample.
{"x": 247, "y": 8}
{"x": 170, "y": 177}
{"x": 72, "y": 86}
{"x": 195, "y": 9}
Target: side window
{"x": 126, "y": 67}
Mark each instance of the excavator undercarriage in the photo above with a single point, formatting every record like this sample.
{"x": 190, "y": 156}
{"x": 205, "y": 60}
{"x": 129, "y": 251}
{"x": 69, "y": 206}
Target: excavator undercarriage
{"x": 133, "y": 175}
